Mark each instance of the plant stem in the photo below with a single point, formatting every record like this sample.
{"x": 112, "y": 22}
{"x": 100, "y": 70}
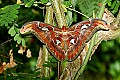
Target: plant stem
{"x": 49, "y": 20}
{"x": 59, "y": 13}
{"x": 49, "y": 15}
{"x": 82, "y": 67}
{"x": 46, "y": 73}
{"x": 102, "y": 9}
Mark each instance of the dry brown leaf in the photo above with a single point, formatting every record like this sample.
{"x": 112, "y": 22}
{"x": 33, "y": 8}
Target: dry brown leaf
{"x": 12, "y": 63}
{"x": 28, "y": 53}
{"x": 21, "y": 50}
{"x": 1, "y": 69}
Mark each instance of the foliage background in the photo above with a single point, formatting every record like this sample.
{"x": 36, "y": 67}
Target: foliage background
{"x": 104, "y": 64}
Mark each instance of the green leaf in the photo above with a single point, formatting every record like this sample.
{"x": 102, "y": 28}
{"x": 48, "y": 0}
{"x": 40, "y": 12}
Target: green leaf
{"x": 16, "y": 37}
{"x": 25, "y": 1}
{"x": 6, "y": 24}
{"x": 29, "y": 4}
{"x": 17, "y": 30}
{"x": 74, "y": 17}
{"x": 44, "y": 1}
{"x": 113, "y": 5}
{"x": 67, "y": 3}
{"x": 69, "y": 18}
{"x": 12, "y": 31}
{"x": 10, "y": 20}
{"x": 14, "y": 11}
{"x": 15, "y": 6}
{"x": 23, "y": 42}
{"x": 116, "y": 7}
{"x": 52, "y": 59}
{"x": 109, "y": 3}
{"x": 13, "y": 16}
{"x": 19, "y": 40}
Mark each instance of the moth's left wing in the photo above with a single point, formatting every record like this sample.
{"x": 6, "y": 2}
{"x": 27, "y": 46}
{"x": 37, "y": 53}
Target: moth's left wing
{"x": 81, "y": 33}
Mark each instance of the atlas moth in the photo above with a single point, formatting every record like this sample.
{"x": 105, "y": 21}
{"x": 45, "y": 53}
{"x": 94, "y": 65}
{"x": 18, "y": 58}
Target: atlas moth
{"x": 65, "y": 43}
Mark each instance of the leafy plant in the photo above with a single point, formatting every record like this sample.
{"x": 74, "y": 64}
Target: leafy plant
{"x": 8, "y": 14}
{"x": 87, "y": 6}
{"x": 114, "y": 5}
{"x": 14, "y": 31}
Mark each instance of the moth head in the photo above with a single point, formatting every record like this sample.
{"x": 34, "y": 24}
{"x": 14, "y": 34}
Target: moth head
{"x": 27, "y": 27}
{"x": 101, "y": 24}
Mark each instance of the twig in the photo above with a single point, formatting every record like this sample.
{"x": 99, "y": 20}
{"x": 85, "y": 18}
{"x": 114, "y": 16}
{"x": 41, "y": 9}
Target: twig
{"x": 5, "y": 42}
{"x": 77, "y": 12}
{"x": 46, "y": 53}
{"x": 39, "y": 61}
{"x": 58, "y": 70}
